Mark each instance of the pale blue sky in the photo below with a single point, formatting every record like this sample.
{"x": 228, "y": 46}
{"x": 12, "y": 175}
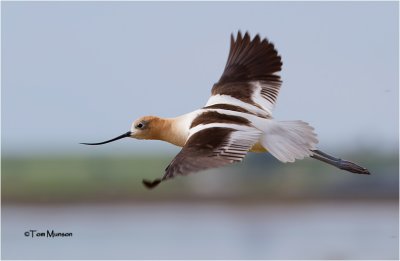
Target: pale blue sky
{"x": 83, "y": 71}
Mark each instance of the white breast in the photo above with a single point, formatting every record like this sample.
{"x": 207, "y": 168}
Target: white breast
{"x": 181, "y": 126}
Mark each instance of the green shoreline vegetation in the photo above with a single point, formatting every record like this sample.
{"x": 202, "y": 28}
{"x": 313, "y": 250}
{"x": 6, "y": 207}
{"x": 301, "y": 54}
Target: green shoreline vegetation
{"x": 76, "y": 179}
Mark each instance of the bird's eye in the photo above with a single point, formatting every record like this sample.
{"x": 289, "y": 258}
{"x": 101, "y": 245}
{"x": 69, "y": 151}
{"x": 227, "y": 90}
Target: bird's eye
{"x": 139, "y": 126}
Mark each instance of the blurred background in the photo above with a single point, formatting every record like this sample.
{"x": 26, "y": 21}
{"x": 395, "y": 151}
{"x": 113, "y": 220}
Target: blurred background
{"x": 83, "y": 71}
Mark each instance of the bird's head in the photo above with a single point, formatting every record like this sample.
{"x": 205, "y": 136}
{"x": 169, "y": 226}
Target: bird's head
{"x": 147, "y": 127}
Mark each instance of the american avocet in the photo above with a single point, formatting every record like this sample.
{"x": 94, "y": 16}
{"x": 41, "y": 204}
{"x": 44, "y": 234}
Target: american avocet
{"x": 236, "y": 119}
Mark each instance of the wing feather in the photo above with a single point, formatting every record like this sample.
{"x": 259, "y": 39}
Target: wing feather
{"x": 210, "y": 148}
{"x": 250, "y": 74}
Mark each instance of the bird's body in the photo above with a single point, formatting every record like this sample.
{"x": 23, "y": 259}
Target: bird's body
{"x": 177, "y": 130}
{"x": 236, "y": 119}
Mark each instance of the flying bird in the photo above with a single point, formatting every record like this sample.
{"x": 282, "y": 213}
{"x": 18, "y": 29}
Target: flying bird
{"x": 236, "y": 119}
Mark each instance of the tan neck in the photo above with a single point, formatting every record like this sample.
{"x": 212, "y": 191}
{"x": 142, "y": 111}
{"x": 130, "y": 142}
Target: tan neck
{"x": 166, "y": 129}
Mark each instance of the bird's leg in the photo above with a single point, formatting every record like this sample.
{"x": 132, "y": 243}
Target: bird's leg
{"x": 339, "y": 163}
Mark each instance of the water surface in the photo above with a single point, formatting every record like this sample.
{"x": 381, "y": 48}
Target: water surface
{"x": 204, "y": 231}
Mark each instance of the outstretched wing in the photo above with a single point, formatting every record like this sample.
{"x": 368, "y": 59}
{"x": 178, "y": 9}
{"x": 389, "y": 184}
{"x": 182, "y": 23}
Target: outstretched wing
{"x": 210, "y": 146}
{"x": 249, "y": 79}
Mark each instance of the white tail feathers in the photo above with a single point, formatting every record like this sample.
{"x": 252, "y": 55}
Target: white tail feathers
{"x": 289, "y": 140}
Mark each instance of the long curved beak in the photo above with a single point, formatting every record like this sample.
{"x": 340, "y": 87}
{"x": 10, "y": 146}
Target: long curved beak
{"x": 125, "y": 135}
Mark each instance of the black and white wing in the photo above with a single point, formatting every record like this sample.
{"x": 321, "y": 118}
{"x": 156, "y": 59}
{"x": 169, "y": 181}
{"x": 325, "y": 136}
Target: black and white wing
{"x": 217, "y": 136}
{"x": 249, "y": 79}
{"x": 210, "y": 146}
